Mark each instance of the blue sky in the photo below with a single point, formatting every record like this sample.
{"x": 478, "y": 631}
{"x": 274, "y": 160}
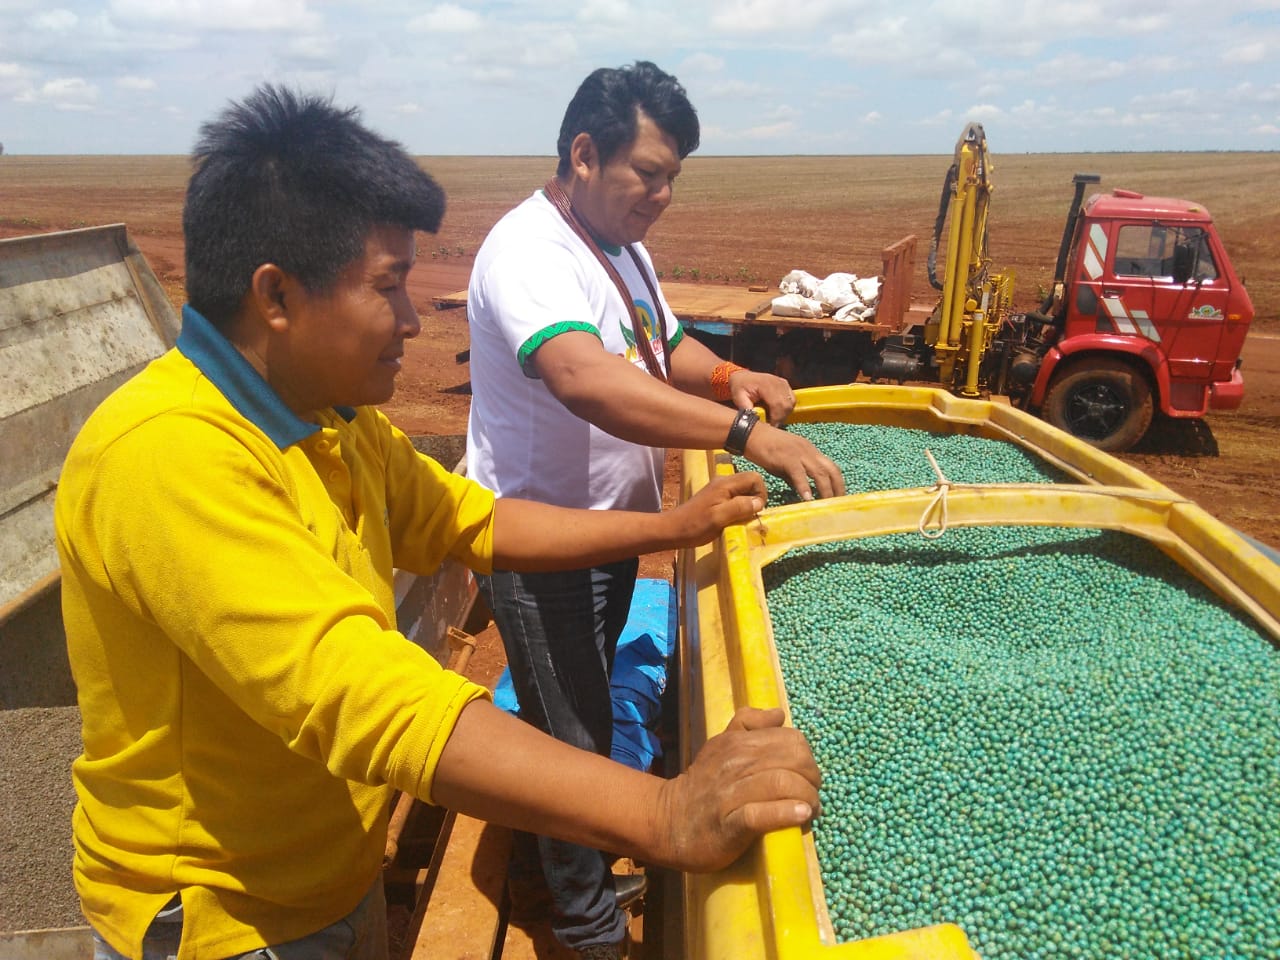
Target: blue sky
{"x": 767, "y": 76}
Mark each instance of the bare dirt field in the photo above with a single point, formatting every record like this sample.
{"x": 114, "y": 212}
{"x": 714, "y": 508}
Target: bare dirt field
{"x": 748, "y": 221}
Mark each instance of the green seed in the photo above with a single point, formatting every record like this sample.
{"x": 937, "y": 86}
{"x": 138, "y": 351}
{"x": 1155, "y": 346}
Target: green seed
{"x": 1054, "y": 737}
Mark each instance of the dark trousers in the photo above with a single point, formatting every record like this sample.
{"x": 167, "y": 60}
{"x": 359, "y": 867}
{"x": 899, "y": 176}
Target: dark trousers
{"x": 560, "y": 631}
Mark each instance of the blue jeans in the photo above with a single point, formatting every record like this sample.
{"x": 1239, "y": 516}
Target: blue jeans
{"x": 360, "y": 935}
{"x": 560, "y": 631}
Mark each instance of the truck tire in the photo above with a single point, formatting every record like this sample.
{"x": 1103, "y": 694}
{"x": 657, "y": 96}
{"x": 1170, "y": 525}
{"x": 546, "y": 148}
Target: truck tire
{"x": 1106, "y": 403}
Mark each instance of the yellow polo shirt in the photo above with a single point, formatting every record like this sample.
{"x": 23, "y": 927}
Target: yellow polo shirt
{"x": 247, "y": 703}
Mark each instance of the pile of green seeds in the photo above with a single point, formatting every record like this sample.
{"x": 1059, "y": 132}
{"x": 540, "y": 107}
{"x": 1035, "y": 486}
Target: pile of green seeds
{"x": 1055, "y": 738}
{"x": 874, "y": 457}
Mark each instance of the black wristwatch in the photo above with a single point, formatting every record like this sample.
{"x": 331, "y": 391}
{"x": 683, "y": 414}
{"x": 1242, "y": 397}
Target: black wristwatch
{"x": 743, "y": 424}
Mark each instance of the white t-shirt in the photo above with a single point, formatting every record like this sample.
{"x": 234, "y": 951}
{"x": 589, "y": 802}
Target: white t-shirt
{"x": 534, "y": 278}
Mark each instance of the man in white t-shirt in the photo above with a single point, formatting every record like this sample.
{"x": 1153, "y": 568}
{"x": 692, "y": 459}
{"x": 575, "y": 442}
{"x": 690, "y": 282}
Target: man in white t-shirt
{"x": 581, "y": 376}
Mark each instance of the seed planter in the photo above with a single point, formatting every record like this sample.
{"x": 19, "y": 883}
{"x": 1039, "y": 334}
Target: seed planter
{"x": 779, "y": 901}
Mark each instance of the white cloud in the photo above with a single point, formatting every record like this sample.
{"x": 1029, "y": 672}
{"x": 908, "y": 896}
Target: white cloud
{"x": 15, "y": 81}
{"x": 1073, "y": 67}
{"x": 701, "y": 63}
{"x": 1169, "y": 100}
{"x": 1143, "y": 23}
{"x": 771, "y": 131}
{"x": 782, "y": 18}
{"x": 314, "y": 47}
{"x": 1051, "y": 76}
{"x": 447, "y": 18}
{"x": 239, "y": 15}
{"x": 1254, "y": 52}
{"x": 54, "y": 21}
{"x": 550, "y": 51}
{"x": 498, "y": 76}
{"x": 735, "y": 90}
{"x": 1252, "y": 94}
{"x": 63, "y": 93}
{"x": 984, "y": 112}
{"x": 898, "y": 40}
{"x": 606, "y": 11}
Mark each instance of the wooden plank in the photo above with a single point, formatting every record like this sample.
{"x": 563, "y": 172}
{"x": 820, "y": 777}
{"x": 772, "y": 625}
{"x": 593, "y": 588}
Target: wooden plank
{"x": 64, "y": 943}
{"x": 710, "y": 302}
{"x": 450, "y": 301}
{"x": 458, "y": 915}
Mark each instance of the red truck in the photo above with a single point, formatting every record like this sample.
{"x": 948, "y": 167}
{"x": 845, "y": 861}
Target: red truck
{"x": 1145, "y": 311}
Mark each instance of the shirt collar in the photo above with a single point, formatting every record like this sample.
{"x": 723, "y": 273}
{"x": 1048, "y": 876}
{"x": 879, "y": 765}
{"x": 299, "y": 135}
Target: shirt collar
{"x": 612, "y": 249}
{"x": 245, "y": 389}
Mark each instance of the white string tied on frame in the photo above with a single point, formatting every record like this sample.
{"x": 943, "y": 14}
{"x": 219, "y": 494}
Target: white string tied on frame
{"x": 939, "y": 502}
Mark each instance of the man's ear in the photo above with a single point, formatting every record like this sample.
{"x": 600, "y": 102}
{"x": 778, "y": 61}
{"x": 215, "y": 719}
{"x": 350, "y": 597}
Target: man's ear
{"x": 583, "y": 156}
{"x": 269, "y": 290}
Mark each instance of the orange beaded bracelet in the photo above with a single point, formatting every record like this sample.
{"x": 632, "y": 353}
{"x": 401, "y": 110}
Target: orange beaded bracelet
{"x": 720, "y": 375}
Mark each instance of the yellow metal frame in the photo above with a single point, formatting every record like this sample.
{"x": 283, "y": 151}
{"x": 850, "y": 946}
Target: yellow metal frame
{"x": 974, "y": 301}
{"x": 771, "y": 903}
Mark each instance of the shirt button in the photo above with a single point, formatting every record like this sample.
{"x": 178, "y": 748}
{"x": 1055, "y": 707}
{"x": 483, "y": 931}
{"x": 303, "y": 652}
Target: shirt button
{"x": 335, "y": 475}
{"x": 322, "y": 445}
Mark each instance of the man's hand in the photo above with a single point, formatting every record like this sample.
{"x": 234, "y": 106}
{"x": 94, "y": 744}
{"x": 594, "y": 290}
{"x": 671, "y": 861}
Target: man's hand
{"x": 755, "y": 777}
{"x": 796, "y": 460}
{"x": 723, "y": 501}
{"x": 748, "y": 388}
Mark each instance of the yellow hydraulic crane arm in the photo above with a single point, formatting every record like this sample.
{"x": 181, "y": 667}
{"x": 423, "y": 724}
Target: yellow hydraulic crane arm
{"x": 974, "y": 300}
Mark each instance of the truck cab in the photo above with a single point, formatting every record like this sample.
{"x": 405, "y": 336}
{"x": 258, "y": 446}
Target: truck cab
{"x": 1150, "y": 312}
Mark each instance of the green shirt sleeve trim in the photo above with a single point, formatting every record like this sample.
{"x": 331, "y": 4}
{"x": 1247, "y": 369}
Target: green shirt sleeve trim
{"x": 676, "y": 337}
{"x": 527, "y": 349}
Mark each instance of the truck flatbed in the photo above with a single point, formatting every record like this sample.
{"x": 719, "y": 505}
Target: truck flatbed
{"x": 702, "y": 306}
{"x": 720, "y": 309}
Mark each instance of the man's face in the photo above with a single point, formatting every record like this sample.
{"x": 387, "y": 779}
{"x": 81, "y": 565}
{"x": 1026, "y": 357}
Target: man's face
{"x": 622, "y": 199}
{"x": 343, "y": 347}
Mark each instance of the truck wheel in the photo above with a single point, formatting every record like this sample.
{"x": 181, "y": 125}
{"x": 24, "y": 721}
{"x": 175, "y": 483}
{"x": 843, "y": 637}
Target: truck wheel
{"x": 1106, "y": 403}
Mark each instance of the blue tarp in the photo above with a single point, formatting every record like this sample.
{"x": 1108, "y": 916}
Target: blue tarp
{"x": 639, "y": 675}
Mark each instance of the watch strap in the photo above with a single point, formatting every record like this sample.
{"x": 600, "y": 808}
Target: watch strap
{"x": 743, "y": 424}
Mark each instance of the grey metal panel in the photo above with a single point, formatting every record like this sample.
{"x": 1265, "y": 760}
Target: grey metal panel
{"x": 80, "y": 312}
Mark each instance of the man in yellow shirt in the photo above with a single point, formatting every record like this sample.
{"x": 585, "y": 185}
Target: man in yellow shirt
{"x": 228, "y": 523}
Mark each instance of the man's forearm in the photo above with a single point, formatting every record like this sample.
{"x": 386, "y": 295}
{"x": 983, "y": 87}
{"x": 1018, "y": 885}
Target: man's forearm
{"x": 611, "y": 393}
{"x": 692, "y": 363}
{"x": 500, "y": 769}
{"x": 754, "y": 777}
{"x": 534, "y": 537}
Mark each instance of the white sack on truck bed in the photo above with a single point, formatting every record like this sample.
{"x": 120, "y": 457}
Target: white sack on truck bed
{"x": 840, "y": 296}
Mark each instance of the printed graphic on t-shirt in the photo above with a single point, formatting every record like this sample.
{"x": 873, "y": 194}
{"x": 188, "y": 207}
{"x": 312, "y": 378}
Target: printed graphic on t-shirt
{"x": 649, "y": 324}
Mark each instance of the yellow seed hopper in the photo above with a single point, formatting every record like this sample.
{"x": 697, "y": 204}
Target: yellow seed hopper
{"x": 771, "y": 904}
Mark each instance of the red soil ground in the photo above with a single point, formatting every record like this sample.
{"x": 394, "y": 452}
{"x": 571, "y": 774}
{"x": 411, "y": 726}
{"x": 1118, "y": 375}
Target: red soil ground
{"x": 1226, "y": 463}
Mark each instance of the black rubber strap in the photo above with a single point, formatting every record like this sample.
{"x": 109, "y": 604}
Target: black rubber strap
{"x": 743, "y": 424}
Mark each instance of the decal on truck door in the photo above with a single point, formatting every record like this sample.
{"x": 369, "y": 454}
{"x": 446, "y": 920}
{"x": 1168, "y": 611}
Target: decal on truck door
{"x": 1095, "y": 252}
{"x": 1206, "y": 311}
{"x": 1131, "y": 322}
